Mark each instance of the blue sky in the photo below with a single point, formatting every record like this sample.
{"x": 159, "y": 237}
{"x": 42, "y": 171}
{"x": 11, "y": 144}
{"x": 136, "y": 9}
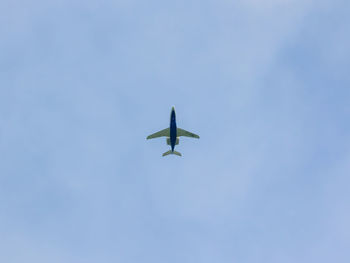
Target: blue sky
{"x": 264, "y": 83}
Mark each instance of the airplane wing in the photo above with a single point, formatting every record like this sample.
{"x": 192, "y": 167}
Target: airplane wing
{"x": 181, "y": 132}
{"x": 165, "y": 132}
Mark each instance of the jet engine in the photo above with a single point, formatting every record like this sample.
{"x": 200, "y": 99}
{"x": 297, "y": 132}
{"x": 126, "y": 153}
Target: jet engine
{"x": 168, "y": 141}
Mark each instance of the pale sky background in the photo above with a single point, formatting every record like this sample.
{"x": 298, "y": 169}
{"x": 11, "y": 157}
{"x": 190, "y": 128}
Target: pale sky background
{"x": 266, "y": 85}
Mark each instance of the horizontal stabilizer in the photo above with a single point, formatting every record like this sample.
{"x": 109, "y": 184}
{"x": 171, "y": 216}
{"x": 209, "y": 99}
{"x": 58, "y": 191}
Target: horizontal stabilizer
{"x": 171, "y": 152}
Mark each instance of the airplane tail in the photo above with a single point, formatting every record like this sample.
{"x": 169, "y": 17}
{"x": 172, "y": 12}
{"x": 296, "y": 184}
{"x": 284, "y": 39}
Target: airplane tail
{"x": 171, "y": 152}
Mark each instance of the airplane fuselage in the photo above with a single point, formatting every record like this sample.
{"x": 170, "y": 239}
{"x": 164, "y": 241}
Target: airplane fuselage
{"x": 173, "y": 129}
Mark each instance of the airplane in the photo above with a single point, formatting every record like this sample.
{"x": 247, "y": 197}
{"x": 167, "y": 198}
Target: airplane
{"x": 172, "y": 133}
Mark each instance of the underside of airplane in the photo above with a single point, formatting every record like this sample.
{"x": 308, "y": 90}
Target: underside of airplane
{"x": 172, "y": 134}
